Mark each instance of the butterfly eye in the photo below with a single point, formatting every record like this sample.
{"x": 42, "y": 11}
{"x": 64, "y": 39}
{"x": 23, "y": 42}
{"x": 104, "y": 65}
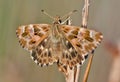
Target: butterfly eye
{"x": 60, "y": 21}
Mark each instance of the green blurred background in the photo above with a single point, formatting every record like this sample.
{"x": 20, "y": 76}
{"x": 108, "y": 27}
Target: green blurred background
{"x": 16, "y": 64}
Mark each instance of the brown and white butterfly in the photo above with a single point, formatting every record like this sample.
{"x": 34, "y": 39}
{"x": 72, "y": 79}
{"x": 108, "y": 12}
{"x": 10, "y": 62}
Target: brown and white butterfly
{"x": 67, "y": 45}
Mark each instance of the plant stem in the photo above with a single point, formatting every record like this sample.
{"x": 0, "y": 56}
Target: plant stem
{"x": 73, "y": 75}
{"x": 85, "y": 12}
{"x": 85, "y": 78}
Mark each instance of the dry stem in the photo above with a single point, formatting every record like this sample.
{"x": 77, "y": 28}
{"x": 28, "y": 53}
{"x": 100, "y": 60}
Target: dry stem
{"x": 85, "y": 78}
{"x": 73, "y": 74}
{"x": 85, "y": 14}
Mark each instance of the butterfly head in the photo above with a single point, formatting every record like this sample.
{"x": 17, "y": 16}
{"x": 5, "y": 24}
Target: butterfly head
{"x": 57, "y": 20}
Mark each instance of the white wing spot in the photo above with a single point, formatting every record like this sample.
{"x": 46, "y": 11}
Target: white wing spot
{"x": 70, "y": 49}
{"x": 36, "y": 61}
{"x": 41, "y": 47}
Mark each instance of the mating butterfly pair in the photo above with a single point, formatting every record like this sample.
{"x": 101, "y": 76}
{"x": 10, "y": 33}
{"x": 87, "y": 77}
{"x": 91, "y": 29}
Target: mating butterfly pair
{"x": 67, "y": 45}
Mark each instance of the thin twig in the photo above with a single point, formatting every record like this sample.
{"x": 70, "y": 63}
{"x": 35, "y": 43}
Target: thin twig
{"x": 85, "y": 78}
{"x": 77, "y": 72}
{"x": 72, "y": 75}
{"x": 85, "y": 12}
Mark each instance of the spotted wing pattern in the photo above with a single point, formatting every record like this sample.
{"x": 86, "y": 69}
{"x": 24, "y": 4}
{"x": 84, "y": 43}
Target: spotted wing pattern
{"x": 30, "y": 35}
{"x": 34, "y": 38}
{"x": 43, "y": 53}
{"x": 79, "y": 43}
{"x": 75, "y": 44}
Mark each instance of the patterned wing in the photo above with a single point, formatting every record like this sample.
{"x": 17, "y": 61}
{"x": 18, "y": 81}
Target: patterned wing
{"x": 34, "y": 38}
{"x": 79, "y": 43}
{"x": 70, "y": 56}
{"x": 30, "y": 35}
{"x": 46, "y": 53}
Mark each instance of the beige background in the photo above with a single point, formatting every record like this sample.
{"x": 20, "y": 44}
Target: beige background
{"x": 16, "y": 64}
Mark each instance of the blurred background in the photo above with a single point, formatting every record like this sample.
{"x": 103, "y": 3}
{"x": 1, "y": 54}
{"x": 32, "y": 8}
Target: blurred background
{"x": 15, "y": 62}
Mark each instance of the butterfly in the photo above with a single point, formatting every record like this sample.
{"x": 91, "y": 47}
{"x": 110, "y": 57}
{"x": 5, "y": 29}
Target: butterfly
{"x": 65, "y": 45}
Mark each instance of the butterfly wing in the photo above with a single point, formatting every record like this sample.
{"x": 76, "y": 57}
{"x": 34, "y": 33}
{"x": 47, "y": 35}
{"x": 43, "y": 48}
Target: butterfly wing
{"x": 35, "y": 39}
{"x": 79, "y": 43}
{"x": 30, "y": 35}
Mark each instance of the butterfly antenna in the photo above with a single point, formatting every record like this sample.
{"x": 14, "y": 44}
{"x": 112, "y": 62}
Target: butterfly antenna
{"x": 70, "y": 13}
{"x": 67, "y": 17}
{"x": 47, "y": 14}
